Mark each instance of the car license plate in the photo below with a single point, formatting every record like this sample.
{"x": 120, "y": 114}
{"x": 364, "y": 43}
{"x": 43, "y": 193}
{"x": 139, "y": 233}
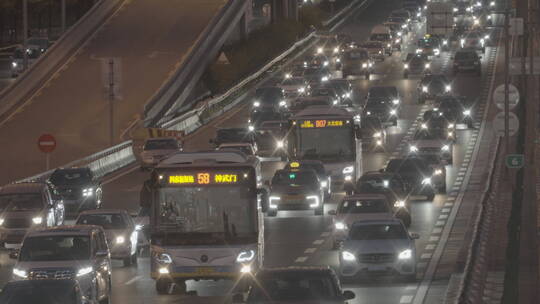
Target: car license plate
{"x": 204, "y": 270}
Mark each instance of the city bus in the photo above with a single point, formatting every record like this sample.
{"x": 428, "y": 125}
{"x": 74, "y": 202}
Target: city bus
{"x": 206, "y": 221}
{"x": 331, "y": 135}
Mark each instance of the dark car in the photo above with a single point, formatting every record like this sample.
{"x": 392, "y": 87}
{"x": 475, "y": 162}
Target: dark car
{"x": 256, "y": 118}
{"x": 233, "y": 135}
{"x": 45, "y": 291}
{"x": 296, "y": 190}
{"x": 79, "y": 188}
{"x": 429, "y": 45}
{"x": 383, "y": 102}
{"x": 271, "y": 138}
{"x": 318, "y": 167}
{"x": 416, "y": 64}
{"x": 315, "y": 285}
{"x": 356, "y": 61}
{"x": 315, "y": 76}
{"x": 419, "y": 177}
{"x": 373, "y": 132}
{"x": 271, "y": 99}
{"x": 456, "y": 110}
{"x": 432, "y": 86}
{"x": 436, "y": 121}
{"x": 467, "y": 60}
{"x": 344, "y": 89}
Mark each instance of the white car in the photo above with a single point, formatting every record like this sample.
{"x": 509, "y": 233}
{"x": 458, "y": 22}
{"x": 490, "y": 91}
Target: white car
{"x": 157, "y": 149}
{"x": 475, "y": 40}
{"x": 68, "y": 252}
{"x": 378, "y": 247}
{"x": 120, "y": 230}
{"x": 246, "y": 148}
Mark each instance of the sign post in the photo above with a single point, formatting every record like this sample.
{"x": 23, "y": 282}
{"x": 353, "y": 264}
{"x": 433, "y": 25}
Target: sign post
{"x": 47, "y": 144}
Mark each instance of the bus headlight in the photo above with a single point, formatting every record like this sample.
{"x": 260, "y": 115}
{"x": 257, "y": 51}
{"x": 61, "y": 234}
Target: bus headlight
{"x": 347, "y": 256}
{"x": 348, "y": 170}
{"x": 273, "y": 201}
{"x": 339, "y": 226}
{"x": 245, "y": 256}
{"x": 405, "y": 254}
{"x": 426, "y": 181}
{"x": 314, "y": 199}
{"x": 245, "y": 269}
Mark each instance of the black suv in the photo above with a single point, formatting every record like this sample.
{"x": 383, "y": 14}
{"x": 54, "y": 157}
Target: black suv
{"x": 271, "y": 99}
{"x": 467, "y": 60}
{"x": 432, "y": 86}
{"x": 383, "y": 102}
{"x": 233, "y": 135}
{"x": 79, "y": 188}
{"x": 373, "y": 132}
{"x": 416, "y": 64}
{"x": 420, "y": 178}
{"x": 356, "y": 62}
{"x": 456, "y": 109}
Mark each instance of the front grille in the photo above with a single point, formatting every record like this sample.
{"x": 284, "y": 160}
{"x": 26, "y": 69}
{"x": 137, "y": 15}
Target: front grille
{"x": 58, "y": 274}
{"x": 17, "y": 223}
{"x": 377, "y": 258}
{"x": 430, "y": 150}
{"x": 70, "y": 194}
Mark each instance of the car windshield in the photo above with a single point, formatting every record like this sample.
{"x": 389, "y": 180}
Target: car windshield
{"x": 356, "y": 54}
{"x": 21, "y": 202}
{"x": 364, "y": 206}
{"x": 465, "y": 56}
{"x": 377, "y": 232}
{"x": 380, "y": 37}
{"x": 55, "y": 248}
{"x": 322, "y": 92}
{"x": 294, "y": 178}
{"x": 107, "y": 221}
{"x": 431, "y": 135}
{"x": 269, "y": 95}
{"x": 427, "y": 43}
{"x": 434, "y": 80}
{"x": 313, "y": 72}
{"x": 295, "y": 287}
{"x": 71, "y": 177}
{"x": 161, "y": 144}
{"x": 292, "y": 82}
{"x": 407, "y": 165}
{"x": 371, "y": 45}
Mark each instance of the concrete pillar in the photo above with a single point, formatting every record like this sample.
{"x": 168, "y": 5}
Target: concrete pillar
{"x": 243, "y": 27}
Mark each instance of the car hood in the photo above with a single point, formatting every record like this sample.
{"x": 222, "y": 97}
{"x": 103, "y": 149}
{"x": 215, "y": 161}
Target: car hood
{"x": 293, "y": 190}
{"x": 349, "y": 218}
{"x": 428, "y": 143}
{"x": 376, "y": 246}
{"x": 75, "y": 264}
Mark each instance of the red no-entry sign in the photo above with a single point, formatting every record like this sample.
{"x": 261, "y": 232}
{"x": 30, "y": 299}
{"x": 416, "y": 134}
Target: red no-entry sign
{"x": 46, "y": 143}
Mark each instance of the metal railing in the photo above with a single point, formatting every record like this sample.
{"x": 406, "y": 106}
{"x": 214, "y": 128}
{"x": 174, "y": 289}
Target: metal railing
{"x": 470, "y": 288}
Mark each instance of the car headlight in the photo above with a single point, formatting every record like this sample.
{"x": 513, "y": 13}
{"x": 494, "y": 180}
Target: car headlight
{"x": 1, "y": 221}
{"x": 324, "y": 78}
{"x": 445, "y": 42}
{"x": 436, "y": 51}
{"x": 88, "y": 192}
{"x": 325, "y": 63}
{"x": 256, "y": 104}
{"x": 164, "y": 258}
{"x": 413, "y": 148}
{"x": 251, "y": 128}
{"x": 462, "y": 41}
{"x": 395, "y": 101}
{"x": 445, "y": 148}
{"x": 476, "y": 21}
{"x": 405, "y": 254}
{"x": 339, "y": 226}
{"x": 426, "y": 181}
{"x": 482, "y": 41}
{"x": 163, "y": 270}
{"x": 245, "y": 269}
{"x": 357, "y": 118}
{"x": 450, "y": 134}
{"x": 37, "y": 220}
{"x": 399, "y": 204}
{"x": 388, "y": 45}
{"x": 403, "y": 26}
{"x": 427, "y": 65}
{"x": 368, "y": 112}
{"x": 424, "y": 89}
{"x": 279, "y": 144}
{"x": 423, "y": 126}
{"x": 377, "y": 134}
{"x": 386, "y": 183}
{"x": 455, "y": 9}
{"x": 418, "y": 51}
{"x": 84, "y": 271}
{"x": 14, "y": 64}
{"x": 138, "y": 227}
{"x": 467, "y": 112}
{"x": 397, "y": 41}
{"x": 315, "y": 200}
{"x": 448, "y": 88}
{"x": 20, "y": 273}
{"x": 324, "y": 184}
{"x": 364, "y": 65}
{"x": 399, "y": 34}
{"x": 437, "y": 172}
{"x": 348, "y": 170}
{"x": 347, "y": 256}
{"x": 451, "y": 126}
{"x": 282, "y": 103}
{"x": 406, "y": 66}
{"x": 338, "y": 59}
{"x": 336, "y": 50}
{"x": 492, "y": 3}
{"x": 273, "y": 201}
{"x": 245, "y": 256}
{"x": 120, "y": 240}
{"x": 287, "y": 76}
{"x": 301, "y": 90}
{"x": 393, "y": 112}
{"x": 319, "y": 50}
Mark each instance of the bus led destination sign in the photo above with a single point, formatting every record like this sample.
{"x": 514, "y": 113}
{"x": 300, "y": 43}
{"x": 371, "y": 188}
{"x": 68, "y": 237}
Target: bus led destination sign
{"x": 321, "y": 123}
{"x": 204, "y": 178}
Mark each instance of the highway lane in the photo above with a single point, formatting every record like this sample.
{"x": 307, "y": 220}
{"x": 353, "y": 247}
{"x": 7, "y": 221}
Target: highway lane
{"x": 149, "y": 38}
{"x": 298, "y": 238}
{"x": 5, "y": 74}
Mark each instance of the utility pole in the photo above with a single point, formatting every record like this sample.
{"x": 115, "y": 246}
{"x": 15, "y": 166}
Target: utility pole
{"x": 63, "y": 16}
{"x": 111, "y": 102}
{"x": 506, "y": 76}
{"x": 25, "y": 34}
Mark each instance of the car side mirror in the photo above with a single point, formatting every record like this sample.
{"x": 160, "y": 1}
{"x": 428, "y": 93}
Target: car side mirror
{"x": 14, "y": 254}
{"x": 348, "y": 295}
{"x": 332, "y": 212}
{"x": 102, "y": 254}
{"x": 415, "y": 236}
{"x": 238, "y": 298}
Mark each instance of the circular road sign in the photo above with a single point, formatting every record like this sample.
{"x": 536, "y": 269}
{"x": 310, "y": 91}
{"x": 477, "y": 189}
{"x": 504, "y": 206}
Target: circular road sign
{"x": 46, "y": 143}
{"x": 498, "y": 124}
{"x": 513, "y": 96}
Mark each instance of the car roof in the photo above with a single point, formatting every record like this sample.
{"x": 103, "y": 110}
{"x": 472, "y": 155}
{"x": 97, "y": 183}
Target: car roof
{"x": 379, "y": 174}
{"x": 241, "y": 144}
{"x": 377, "y": 221}
{"x": 161, "y": 138}
{"x": 23, "y": 187}
{"x": 64, "y": 230}
{"x": 359, "y": 196}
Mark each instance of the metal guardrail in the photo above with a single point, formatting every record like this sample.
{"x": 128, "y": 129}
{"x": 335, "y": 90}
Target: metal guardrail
{"x": 470, "y": 289}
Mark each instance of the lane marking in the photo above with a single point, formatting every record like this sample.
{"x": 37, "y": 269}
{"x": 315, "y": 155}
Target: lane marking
{"x": 133, "y": 280}
{"x": 318, "y": 242}
{"x": 405, "y": 299}
{"x": 430, "y": 247}
{"x": 301, "y": 259}
{"x": 310, "y": 250}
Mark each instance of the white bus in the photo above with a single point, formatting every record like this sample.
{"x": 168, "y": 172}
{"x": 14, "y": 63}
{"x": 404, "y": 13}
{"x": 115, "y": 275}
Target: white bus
{"x": 331, "y": 135}
{"x": 206, "y": 221}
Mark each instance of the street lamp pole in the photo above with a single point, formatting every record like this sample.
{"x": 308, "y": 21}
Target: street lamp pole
{"x": 25, "y": 34}
{"x": 63, "y": 16}
{"x": 506, "y": 77}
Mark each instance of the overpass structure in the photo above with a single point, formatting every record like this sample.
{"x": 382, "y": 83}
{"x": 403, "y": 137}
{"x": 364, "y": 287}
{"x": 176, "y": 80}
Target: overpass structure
{"x": 159, "y": 50}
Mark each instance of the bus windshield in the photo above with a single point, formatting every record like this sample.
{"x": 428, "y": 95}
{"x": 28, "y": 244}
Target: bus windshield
{"x": 330, "y": 143}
